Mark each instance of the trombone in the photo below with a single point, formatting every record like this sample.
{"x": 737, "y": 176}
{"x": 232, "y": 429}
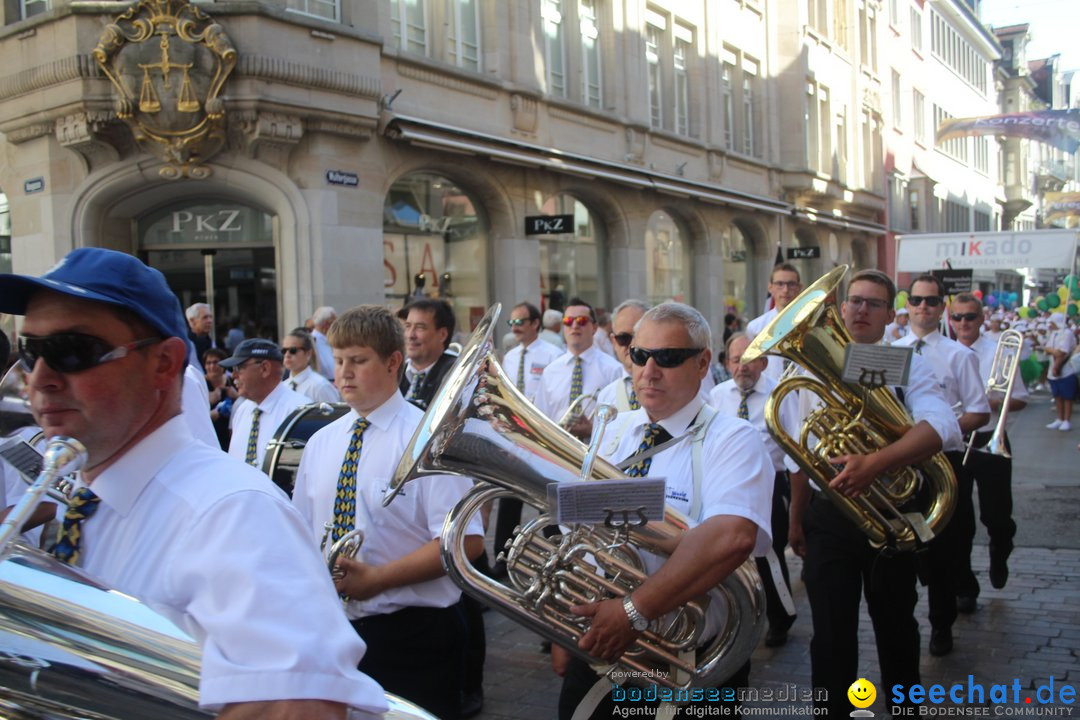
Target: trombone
{"x": 1003, "y": 371}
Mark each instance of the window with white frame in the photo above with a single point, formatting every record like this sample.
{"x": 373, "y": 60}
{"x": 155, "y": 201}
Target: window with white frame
{"x": 897, "y": 102}
{"x": 952, "y": 49}
{"x": 326, "y": 9}
{"x": 654, "y": 34}
{"x": 813, "y": 126}
{"x": 30, "y": 8}
{"x": 867, "y": 36}
{"x": 463, "y": 33}
{"x": 727, "y": 98}
{"x": 918, "y": 116}
{"x": 682, "y": 56}
{"x": 817, "y": 15}
{"x": 408, "y": 20}
{"x": 591, "y": 79}
{"x": 749, "y": 78}
{"x": 551, "y": 12}
{"x": 894, "y": 13}
{"x": 841, "y": 170}
{"x": 957, "y": 148}
{"x": 824, "y": 162}
{"x": 982, "y": 155}
{"x": 840, "y": 23}
{"x": 916, "y": 29}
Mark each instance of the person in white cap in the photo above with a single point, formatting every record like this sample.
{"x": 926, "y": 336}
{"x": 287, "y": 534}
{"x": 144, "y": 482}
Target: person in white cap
{"x": 898, "y": 328}
{"x": 1061, "y": 374}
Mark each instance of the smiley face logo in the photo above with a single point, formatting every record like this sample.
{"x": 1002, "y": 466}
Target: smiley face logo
{"x": 862, "y": 693}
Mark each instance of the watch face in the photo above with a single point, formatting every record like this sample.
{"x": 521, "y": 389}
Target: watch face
{"x": 640, "y": 624}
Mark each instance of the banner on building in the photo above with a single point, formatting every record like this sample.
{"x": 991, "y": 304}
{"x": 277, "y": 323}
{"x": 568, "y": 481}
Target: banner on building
{"x": 1061, "y": 206}
{"x": 1060, "y": 128}
{"x": 986, "y": 250}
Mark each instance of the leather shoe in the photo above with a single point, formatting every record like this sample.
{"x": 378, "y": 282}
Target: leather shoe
{"x": 999, "y": 569}
{"x": 472, "y": 703}
{"x": 965, "y": 604}
{"x": 775, "y": 637}
{"x": 940, "y": 641}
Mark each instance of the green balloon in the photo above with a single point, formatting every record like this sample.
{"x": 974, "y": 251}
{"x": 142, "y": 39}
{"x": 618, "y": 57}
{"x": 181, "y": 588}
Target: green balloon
{"x": 1053, "y": 300}
{"x": 1075, "y": 294}
{"x": 1072, "y": 310}
{"x": 1042, "y": 305}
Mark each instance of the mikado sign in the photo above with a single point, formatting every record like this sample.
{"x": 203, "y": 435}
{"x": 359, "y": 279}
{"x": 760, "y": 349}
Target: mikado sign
{"x": 987, "y": 250}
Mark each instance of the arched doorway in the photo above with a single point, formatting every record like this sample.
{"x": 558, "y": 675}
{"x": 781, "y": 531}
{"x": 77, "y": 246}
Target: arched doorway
{"x": 570, "y": 261}
{"x": 218, "y": 252}
{"x": 667, "y": 259}
{"x": 435, "y": 245}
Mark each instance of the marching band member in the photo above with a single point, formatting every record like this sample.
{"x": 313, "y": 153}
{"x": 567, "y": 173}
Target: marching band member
{"x": 726, "y": 495}
{"x": 784, "y": 286}
{"x": 580, "y": 371}
{"x": 302, "y": 362}
{"x": 743, "y": 396}
{"x": 956, "y": 368}
{"x": 197, "y": 535}
{"x": 256, "y": 366}
{"x": 840, "y": 565}
{"x": 991, "y": 473}
{"x": 429, "y": 327}
{"x": 399, "y": 598}
{"x": 620, "y": 393}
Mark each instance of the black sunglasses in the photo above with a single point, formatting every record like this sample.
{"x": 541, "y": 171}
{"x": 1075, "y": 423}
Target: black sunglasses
{"x": 664, "y": 357}
{"x": 72, "y": 352}
{"x": 957, "y": 317}
{"x": 622, "y": 339}
{"x": 931, "y": 300}
{"x": 291, "y": 350}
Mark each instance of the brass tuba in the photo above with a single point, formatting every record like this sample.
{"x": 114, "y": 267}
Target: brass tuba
{"x": 852, "y": 419}
{"x": 478, "y": 425}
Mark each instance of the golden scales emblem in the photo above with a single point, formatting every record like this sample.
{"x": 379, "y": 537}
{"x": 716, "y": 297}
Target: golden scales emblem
{"x": 169, "y": 61}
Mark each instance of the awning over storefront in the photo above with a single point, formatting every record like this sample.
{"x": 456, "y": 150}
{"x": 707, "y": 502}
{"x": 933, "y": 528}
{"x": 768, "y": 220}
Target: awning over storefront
{"x": 987, "y": 250}
{"x": 425, "y": 133}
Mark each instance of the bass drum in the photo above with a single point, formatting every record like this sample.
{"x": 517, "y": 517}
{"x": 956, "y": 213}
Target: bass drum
{"x": 282, "y": 458}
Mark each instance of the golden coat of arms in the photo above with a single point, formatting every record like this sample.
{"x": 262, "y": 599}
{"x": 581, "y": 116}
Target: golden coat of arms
{"x": 169, "y": 62}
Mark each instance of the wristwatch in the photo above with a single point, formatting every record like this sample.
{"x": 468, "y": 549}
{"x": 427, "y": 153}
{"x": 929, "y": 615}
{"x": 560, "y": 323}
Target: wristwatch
{"x": 638, "y": 621}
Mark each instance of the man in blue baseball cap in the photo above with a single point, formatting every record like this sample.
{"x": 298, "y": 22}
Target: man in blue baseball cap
{"x": 199, "y": 536}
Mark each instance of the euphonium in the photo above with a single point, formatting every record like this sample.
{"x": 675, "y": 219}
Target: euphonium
{"x": 853, "y": 419}
{"x": 1003, "y": 371}
{"x": 478, "y": 425}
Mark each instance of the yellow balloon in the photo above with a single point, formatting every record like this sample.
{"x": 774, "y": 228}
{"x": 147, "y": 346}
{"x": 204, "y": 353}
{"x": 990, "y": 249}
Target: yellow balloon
{"x": 1063, "y": 292}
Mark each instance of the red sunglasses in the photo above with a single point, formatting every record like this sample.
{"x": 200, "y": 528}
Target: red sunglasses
{"x": 580, "y": 321}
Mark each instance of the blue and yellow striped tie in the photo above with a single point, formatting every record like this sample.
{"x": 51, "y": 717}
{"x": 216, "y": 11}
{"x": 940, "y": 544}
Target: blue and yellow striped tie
{"x": 744, "y": 410}
{"x": 414, "y": 391}
{"x": 521, "y": 372}
{"x": 253, "y": 438}
{"x": 577, "y": 381}
{"x": 345, "y": 499}
{"x": 631, "y": 396}
{"x": 83, "y": 504}
{"x": 652, "y": 434}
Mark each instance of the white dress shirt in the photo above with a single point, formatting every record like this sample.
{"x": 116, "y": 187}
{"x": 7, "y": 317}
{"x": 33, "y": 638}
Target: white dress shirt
{"x": 956, "y": 369}
{"x": 312, "y": 385}
{"x": 195, "y": 405}
{"x": 412, "y": 520}
{"x": 617, "y": 393}
{"x": 1065, "y": 341}
{"x": 985, "y": 347}
{"x": 537, "y": 356}
{"x": 275, "y": 408}
{"x": 775, "y": 368}
{"x": 213, "y": 546}
{"x": 325, "y": 354}
{"x": 726, "y": 398}
{"x": 597, "y": 370}
{"x": 12, "y": 485}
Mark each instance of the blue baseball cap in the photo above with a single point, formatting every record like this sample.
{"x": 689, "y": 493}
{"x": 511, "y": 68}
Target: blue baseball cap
{"x": 257, "y": 348}
{"x": 106, "y": 276}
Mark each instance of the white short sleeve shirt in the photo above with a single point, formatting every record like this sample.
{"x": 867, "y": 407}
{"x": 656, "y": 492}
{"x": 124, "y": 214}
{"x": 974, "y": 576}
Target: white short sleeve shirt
{"x": 726, "y": 398}
{"x": 275, "y": 408}
{"x": 597, "y": 370}
{"x": 313, "y": 386}
{"x": 536, "y": 357}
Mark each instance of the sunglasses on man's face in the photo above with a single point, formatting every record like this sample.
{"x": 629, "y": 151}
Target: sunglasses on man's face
{"x": 664, "y": 357}
{"x": 930, "y": 300}
{"x": 968, "y": 317}
{"x": 291, "y": 350}
{"x": 517, "y": 322}
{"x": 622, "y": 339}
{"x": 580, "y": 321}
{"x": 72, "y": 352}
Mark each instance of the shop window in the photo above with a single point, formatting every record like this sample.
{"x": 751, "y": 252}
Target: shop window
{"x": 570, "y": 261}
{"x": 735, "y": 252}
{"x": 666, "y": 257}
{"x": 433, "y": 230}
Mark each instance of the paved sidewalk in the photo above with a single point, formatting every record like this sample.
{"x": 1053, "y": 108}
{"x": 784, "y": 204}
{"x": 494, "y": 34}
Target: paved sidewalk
{"x": 1028, "y": 631}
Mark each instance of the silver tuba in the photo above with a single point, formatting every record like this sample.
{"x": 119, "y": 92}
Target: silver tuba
{"x": 478, "y": 425}
{"x": 1003, "y": 371}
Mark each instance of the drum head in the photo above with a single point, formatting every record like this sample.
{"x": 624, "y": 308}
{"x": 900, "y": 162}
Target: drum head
{"x": 282, "y": 458}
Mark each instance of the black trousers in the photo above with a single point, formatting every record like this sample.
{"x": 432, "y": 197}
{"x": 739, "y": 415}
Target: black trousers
{"x": 993, "y": 477}
{"x": 840, "y": 567}
{"x": 781, "y": 501}
{"x": 416, "y": 653}
{"x": 580, "y": 678}
{"x": 507, "y": 518}
{"x": 949, "y": 554}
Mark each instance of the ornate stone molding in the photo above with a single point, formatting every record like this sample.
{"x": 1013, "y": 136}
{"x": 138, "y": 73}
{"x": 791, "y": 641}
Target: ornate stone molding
{"x": 48, "y": 74}
{"x": 277, "y": 69}
{"x": 266, "y": 136}
{"x": 449, "y": 81}
{"x": 635, "y": 145}
{"x": 79, "y": 132}
{"x": 717, "y": 164}
{"x": 28, "y": 132}
{"x": 524, "y": 110}
{"x": 341, "y": 128}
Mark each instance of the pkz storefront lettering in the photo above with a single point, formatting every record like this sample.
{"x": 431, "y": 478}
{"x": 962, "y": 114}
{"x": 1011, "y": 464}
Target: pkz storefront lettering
{"x": 548, "y": 224}
{"x": 188, "y": 222}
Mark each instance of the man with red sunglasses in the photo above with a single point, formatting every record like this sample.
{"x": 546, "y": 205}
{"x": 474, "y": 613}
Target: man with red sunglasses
{"x": 956, "y": 369}
{"x": 579, "y": 372}
{"x": 201, "y": 537}
{"x": 992, "y": 473}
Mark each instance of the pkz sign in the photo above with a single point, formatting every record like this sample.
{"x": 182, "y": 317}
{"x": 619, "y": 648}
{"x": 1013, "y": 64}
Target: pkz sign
{"x": 804, "y": 253}
{"x": 548, "y": 224}
{"x": 207, "y": 224}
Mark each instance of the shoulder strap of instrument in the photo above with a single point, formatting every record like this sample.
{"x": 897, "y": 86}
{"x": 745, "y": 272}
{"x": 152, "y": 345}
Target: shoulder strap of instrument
{"x": 699, "y": 430}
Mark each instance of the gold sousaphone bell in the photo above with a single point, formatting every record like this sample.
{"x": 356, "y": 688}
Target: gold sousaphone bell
{"x": 480, "y": 426}
{"x": 851, "y": 419}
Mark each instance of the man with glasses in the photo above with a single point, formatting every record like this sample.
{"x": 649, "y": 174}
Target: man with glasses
{"x": 957, "y": 371}
{"x": 579, "y": 372}
{"x": 620, "y": 393}
{"x": 992, "y": 473}
{"x": 840, "y": 565}
{"x": 195, "y": 534}
{"x": 256, "y": 369}
{"x": 784, "y": 286}
{"x": 718, "y": 474}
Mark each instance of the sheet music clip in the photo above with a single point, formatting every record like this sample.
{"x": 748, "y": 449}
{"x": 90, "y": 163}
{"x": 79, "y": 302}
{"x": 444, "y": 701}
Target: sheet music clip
{"x": 877, "y": 366}
{"x": 616, "y": 504}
